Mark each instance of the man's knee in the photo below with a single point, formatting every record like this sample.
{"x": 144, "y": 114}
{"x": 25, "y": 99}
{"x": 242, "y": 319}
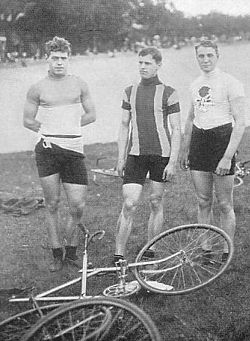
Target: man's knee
{"x": 129, "y": 206}
{"x": 76, "y": 208}
{"x": 225, "y": 206}
{"x": 52, "y": 204}
{"x": 205, "y": 203}
{"x": 155, "y": 202}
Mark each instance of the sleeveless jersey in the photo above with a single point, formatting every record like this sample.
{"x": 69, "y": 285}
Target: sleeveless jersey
{"x": 211, "y": 95}
{"x": 150, "y": 102}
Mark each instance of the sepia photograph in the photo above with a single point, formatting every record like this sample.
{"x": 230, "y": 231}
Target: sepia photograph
{"x": 124, "y": 163}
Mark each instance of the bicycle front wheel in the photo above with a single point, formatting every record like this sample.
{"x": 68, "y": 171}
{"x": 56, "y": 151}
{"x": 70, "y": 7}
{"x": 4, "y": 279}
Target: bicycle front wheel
{"x": 186, "y": 258}
{"x": 13, "y": 328}
{"x": 127, "y": 322}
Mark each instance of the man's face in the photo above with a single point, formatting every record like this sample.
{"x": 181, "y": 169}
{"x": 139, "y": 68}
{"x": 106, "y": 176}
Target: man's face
{"x": 148, "y": 67}
{"x": 58, "y": 63}
{"x": 207, "y": 58}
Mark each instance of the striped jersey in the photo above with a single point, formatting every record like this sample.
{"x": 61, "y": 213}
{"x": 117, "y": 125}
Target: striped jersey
{"x": 150, "y": 102}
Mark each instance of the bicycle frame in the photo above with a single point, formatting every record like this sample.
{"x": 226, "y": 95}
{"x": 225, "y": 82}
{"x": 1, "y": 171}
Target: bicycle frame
{"x": 86, "y": 273}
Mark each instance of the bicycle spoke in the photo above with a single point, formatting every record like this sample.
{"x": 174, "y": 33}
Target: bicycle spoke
{"x": 181, "y": 260}
{"x": 13, "y": 328}
{"x": 99, "y": 319}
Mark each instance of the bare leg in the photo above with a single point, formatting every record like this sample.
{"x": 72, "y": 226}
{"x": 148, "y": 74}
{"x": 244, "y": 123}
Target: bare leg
{"x": 203, "y": 183}
{"x": 76, "y": 199}
{"x": 131, "y": 196}
{"x": 224, "y": 195}
{"x": 156, "y": 205}
{"x": 51, "y": 189}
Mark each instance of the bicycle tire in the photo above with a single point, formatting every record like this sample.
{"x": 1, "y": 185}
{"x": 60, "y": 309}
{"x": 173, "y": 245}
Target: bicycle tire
{"x": 187, "y": 270}
{"x": 128, "y": 321}
{"x": 14, "y": 327}
{"x": 244, "y": 163}
{"x": 238, "y": 181}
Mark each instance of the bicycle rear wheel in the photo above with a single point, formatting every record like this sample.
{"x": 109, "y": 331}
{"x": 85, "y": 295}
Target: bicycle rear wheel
{"x": 127, "y": 322}
{"x": 186, "y": 258}
{"x": 13, "y": 328}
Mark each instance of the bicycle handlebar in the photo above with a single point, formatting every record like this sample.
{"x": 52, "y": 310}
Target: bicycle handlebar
{"x": 98, "y": 235}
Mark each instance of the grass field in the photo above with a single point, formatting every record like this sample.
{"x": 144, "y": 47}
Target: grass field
{"x": 220, "y": 311}
{"x": 107, "y": 77}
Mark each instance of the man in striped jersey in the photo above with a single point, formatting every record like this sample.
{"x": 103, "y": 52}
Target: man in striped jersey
{"x": 150, "y": 112}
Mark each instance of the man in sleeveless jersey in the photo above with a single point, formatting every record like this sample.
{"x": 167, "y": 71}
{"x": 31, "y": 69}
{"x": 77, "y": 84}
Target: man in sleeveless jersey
{"x": 57, "y": 107}
{"x": 145, "y": 146}
{"x": 213, "y": 131}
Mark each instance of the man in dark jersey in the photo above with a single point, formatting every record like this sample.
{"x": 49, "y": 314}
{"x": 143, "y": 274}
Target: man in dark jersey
{"x": 57, "y": 107}
{"x": 150, "y": 129}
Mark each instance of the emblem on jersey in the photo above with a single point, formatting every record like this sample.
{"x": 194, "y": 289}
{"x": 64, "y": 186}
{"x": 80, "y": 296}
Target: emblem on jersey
{"x": 204, "y": 98}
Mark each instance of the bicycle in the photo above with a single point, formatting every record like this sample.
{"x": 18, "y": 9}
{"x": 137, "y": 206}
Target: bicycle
{"x": 180, "y": 265}
{"x": 240, "y": 172}
{"x": 102, "y": 171}
{"x": 99, "y": 318}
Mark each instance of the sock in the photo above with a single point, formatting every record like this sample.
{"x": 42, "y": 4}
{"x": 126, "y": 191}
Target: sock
{"x": 71, "y": 252}
{"x": 117, "y": 257}
{"x": 57, "y": 252}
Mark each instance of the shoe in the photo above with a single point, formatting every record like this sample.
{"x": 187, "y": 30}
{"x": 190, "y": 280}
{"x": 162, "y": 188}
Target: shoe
{"x": 76, "y": 262}
{"x": 56, "y": 264}
{"x": 148, "y": 254}
{"x": 224, "y": 257}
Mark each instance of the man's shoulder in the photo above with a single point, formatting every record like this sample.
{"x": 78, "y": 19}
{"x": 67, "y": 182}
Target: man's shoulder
{"x": 77, "y": 80}
{"x": 168, "y": 92}
{"x": 228, "y": 77}
{"x": 196, "y": 81}
{"x": 37, "y": 87}
{"x": 167, "y": 87}
{"x": 129, "y": 88}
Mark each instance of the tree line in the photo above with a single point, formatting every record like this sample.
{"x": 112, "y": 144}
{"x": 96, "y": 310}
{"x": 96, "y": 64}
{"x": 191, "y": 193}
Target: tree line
{"x": 101, "y": 25}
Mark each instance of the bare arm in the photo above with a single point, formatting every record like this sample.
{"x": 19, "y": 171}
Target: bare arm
{"x": 175, "y": 123}
{"x": 238, "y": 112}
{"x": 29, "y": 114}
{"x": 123, "y": 139}
{"x": 187, "y": 138}
{"x": 89, "y": 115}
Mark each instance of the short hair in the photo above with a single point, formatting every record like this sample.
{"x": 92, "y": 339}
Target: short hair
{"x": 58, "y": 44}
{"x": 207, "y": 43}
{"x": 153, "y": 51}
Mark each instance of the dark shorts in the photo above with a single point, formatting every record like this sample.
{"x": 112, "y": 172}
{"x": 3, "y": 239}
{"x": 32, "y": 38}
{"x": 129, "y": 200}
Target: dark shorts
{"x": 207, "y": 148}
{"x": 70, "y": 165}
{"x": 137, "y": 168}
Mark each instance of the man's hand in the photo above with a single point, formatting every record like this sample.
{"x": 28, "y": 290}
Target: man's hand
{"x": 224, "y": 166}
{"x": 184, "y": 162}
{"x": 169, "y": 172}
{"x": 120, "y": 167}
